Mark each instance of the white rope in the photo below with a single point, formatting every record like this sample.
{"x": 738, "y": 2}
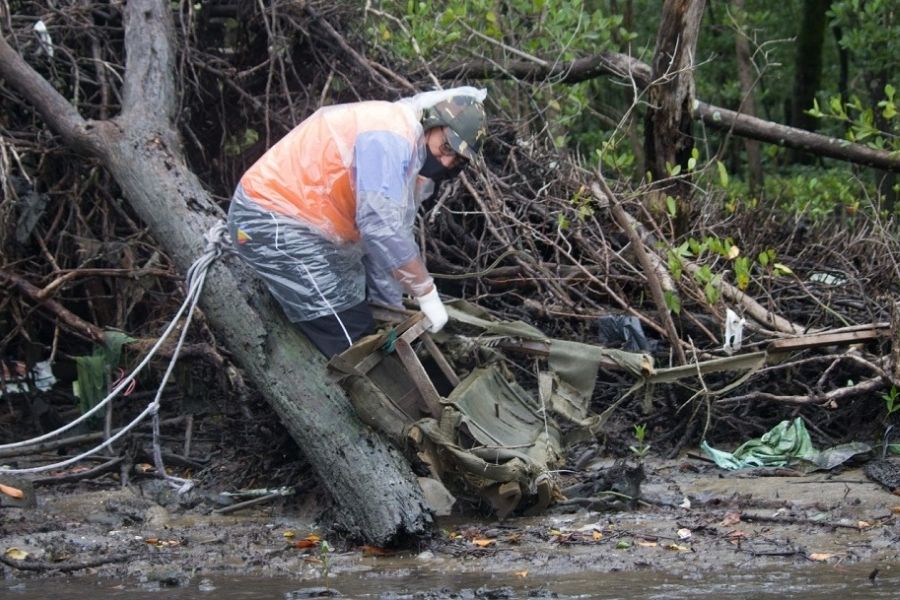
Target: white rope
{"x": 196, "y": 276}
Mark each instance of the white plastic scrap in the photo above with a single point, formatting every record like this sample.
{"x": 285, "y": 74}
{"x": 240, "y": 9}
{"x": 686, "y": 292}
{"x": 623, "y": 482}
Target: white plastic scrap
{"x": 734, "y": 332}
{"x": 827, "y": 279}
{"x": 44, "y": 39}
{"x": 14, "y": 380}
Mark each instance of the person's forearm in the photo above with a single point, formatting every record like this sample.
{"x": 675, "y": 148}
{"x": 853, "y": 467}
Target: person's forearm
{"x": 414, "y": 277}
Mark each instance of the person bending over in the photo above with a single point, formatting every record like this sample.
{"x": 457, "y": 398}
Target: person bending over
{"x": 326, "y": 215}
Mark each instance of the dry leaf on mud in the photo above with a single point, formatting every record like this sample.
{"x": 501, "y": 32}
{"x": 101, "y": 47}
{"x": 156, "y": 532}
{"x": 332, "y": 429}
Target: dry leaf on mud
{"x": 374, "y": 551}
{"x": 895, "y": 510}
{"x": 288, "y": 534}
{"x": 521, "y": 573}
{"x": 161, "y": 543}
{"x": 677, "y": 547}
{"x": 12, "y": 492}
{"x": 820, "y": 556}
{"x": 483, "y": 543}
{"x": 16, "y": 553}
{"x": 308, "y": 542}
{"x": 863, "y": 524}
{"x": 647, "y": 544}
{"x": 597, "y": 536}
{"x": 730, "y": 518}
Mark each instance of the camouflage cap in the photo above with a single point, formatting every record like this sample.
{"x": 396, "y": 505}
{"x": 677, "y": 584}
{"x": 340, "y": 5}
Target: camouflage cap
{"x": 464, "y": 117}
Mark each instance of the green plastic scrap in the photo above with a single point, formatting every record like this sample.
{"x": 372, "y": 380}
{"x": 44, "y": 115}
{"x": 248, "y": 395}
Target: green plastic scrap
{"x": 391, "y": 341}
{"x": 787, "y": 444}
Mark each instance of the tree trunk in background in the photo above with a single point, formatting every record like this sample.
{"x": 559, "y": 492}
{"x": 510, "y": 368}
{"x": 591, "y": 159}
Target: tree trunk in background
{"x": 843, "y": 64}
{"x": 667, "y": 126}
{"x": 627, "y": 12}
{"x": 747, "y": 77}
{"x": 875, "y": 82}
{"x": 377, "y": 497}
{"x": 808, "y": 66}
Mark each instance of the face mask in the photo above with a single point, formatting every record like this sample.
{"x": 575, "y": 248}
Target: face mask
{"x": 433, "y": 169}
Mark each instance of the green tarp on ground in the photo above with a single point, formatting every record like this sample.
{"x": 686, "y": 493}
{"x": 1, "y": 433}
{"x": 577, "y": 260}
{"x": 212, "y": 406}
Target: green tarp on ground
{"x": 786, "y": 445}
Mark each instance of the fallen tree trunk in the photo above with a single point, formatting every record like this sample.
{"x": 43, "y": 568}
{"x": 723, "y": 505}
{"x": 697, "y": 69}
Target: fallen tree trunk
{"x": 375, "y": 491}
{"x": 638, "y": 75}
{"x": 792, "y": 137}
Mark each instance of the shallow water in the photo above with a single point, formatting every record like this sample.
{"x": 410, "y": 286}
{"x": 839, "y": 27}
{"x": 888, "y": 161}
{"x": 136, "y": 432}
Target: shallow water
{"x": 819, "y": 582}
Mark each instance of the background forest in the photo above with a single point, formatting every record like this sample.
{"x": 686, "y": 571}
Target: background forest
{"x": 528, "y": 234}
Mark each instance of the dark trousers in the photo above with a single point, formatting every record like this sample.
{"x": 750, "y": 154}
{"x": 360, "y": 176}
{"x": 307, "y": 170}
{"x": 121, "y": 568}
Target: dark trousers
{"x": 326, "y": 333}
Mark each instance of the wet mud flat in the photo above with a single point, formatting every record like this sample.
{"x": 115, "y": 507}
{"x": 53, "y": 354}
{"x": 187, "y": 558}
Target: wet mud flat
{"x": 693, "y": 520}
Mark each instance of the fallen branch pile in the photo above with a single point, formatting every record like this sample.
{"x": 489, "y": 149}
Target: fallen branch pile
{"x": 529, "y": 234}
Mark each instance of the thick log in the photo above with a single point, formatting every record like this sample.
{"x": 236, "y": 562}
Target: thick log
{"x": 375, "y": 491}
{"x": 791, "y": 137}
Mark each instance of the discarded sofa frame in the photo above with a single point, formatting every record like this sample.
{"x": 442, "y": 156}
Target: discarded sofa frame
{"x": 483, "y": 433}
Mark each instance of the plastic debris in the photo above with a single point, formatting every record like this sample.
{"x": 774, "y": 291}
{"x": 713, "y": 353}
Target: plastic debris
{"x": 786, "y": 444}
{"x": 734, "y": 332}
{"x": 44, "y": 39}
{"x": 16, "y": 378}
{"x": 625, "y": 332}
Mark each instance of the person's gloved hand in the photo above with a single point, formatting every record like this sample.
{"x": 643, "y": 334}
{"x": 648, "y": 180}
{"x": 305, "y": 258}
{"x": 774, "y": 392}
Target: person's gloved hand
{"x": 431, "y": 305}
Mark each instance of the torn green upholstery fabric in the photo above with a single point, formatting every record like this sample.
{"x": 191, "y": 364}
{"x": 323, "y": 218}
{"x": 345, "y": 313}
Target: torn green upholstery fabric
{"x": 493, "y": 435}
{"x": 574, "y": 363}
{"x": 787, "y": 444}
{"x": 504, "y": 421}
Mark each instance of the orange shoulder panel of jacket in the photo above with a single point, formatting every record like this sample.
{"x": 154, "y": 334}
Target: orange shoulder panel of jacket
{"x": 306, "y": 174}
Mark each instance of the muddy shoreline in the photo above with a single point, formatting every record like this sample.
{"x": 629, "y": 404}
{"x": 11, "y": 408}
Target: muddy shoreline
{"x": 692, "y": 518}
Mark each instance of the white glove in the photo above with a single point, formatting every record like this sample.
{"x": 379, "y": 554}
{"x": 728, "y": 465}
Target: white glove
{"x": 431, "y": 305}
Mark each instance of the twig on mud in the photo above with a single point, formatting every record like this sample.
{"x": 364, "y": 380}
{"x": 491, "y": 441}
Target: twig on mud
{"x": 247, "y": 503}
{"x": 800, "y": 521}
{"x": 64, "y": 567}
{"x": 88, "y": 474}
{"x": 793, "y": 552}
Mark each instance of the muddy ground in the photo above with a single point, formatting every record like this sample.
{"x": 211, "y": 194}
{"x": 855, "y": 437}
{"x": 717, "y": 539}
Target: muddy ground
{"x": 692, "y": 517}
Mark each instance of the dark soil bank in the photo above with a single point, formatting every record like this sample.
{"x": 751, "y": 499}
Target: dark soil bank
{"x": 692, "y": 519}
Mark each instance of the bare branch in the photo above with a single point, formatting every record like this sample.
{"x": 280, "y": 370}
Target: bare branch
{"x": 59, "y": 114}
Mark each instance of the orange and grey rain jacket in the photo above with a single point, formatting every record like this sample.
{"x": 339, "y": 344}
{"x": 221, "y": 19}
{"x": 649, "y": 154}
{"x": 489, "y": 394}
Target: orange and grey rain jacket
{"x": 332, "y": 205}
